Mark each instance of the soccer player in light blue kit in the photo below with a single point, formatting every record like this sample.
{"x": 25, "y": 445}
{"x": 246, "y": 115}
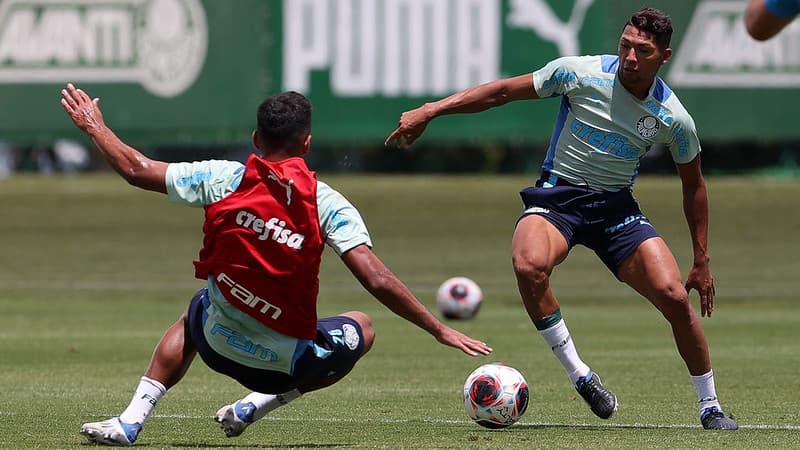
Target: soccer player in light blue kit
{"x": 266, "y": 225}
{"x": 613, "y": 109}
{"x": 764, "y": 19}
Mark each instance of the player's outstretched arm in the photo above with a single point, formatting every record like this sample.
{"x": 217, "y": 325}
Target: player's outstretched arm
{"x": 389, "y": 290}
{"x": 475, "y": 99}
{"x": 136, "y": 168}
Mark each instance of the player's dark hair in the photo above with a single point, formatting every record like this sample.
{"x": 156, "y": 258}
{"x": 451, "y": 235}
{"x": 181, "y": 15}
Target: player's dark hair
{"x": 655, "y": 22}
{"x": 284, "y": 121}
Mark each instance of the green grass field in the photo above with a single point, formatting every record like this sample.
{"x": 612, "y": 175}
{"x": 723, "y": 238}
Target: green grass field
{"x": 92, "y": 271}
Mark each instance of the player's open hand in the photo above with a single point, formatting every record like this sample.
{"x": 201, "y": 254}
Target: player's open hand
{"x": 411, "y": 126}
{"x": 83, "y": 110}
{"x": 466, "y": 344}
{"x": 702, "y": 281}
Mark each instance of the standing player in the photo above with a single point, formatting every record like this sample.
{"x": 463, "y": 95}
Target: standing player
{"x": 766, "y": 18}
{"x": 613, "y": 109}
{"x": 266, "y": 223}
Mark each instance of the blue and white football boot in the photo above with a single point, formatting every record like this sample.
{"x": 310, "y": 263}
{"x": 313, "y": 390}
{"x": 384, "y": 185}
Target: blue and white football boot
{"x": 111, "y": 432}
{"x": 235, "y": 418}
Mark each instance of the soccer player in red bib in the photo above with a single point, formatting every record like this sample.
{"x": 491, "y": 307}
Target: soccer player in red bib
{"x": 266, "y": 224}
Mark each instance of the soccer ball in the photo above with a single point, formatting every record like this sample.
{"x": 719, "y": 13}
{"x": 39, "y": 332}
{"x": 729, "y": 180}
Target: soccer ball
{"x": 495, "y": 395}
{"x": 459, "y": 298}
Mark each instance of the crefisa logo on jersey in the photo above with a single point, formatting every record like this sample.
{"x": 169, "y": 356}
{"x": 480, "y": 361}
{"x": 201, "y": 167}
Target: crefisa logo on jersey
{"x": 160, "y": 44}
{"x": 647, "y": 126}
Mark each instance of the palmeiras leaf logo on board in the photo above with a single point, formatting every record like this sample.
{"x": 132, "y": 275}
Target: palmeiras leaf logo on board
{"x": 160, "y": 44}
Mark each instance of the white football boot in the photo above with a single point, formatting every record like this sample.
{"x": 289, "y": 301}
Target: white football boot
{"x": 235, "y": 418}
{"x": 111, "y": 432}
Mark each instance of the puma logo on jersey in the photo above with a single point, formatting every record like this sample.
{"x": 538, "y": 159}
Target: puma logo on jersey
{"x": 287, "y": 186}
{"x": 273, "y": 228}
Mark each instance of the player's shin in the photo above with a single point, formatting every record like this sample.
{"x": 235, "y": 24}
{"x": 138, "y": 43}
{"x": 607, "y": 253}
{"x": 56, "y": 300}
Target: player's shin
{"x": 262, "y": 404}
{"x": 554, "y": 331}
{"x": 144, "y": 400}
{"x": 706, "y": 392}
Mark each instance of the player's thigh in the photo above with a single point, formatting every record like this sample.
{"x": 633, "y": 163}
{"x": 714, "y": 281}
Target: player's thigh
{"x": 537, "y": 245}
{"x": 653, "y": 272}
{"x": 339, "y": 345}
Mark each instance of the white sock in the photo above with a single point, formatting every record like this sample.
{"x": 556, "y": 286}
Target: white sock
{"x": 706, "y": 393}
{"x": 147, "y": 394}
{"x": 265, "y": 403}
{"x": 559, "y": 340}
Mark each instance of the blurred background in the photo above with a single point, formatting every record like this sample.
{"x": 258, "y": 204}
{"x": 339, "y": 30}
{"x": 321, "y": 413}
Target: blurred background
{"x": 181, "y": 79}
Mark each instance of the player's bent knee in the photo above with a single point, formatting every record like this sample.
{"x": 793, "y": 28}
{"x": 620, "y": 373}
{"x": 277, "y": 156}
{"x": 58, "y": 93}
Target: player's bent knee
{"x": 367, "y": 331}
{"x": 362, "y": 318}
{"x": 673, "y": 302}
{"x": 529, "y": 270}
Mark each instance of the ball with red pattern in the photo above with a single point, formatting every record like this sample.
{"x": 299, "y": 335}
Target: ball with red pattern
{"x": 495, "y": 395}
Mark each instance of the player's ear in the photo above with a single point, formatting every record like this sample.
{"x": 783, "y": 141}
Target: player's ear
{"x": 307, "y": 144}
{"x": 256, "y": 141}
{"x": 667, "y": 55}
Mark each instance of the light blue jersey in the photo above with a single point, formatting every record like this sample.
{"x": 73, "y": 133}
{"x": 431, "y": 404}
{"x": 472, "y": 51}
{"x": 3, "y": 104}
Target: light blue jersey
{"x": 229, "y": 331}
{"x": 602, "y": 130}
{"x": 783, "y": 8}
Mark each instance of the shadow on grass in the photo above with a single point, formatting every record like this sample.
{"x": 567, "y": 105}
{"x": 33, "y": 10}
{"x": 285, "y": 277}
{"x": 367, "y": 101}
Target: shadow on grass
{"x": 595, "y": 427}
{"x": 284, "y": 445}
{"x": 237, "y": 445}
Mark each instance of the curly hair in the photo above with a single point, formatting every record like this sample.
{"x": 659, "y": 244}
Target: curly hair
{"x": 284, "y": 120}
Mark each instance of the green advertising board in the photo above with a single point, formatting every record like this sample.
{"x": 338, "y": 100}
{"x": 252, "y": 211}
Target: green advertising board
{"x": 166, "y": 71}
{"x": 173, "y": 72}
{"x": 365, "y": 62}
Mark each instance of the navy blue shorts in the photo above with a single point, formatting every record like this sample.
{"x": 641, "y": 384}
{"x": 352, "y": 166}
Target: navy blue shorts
{"x": 610, "y": 223}
{"x": 308, "y": 368}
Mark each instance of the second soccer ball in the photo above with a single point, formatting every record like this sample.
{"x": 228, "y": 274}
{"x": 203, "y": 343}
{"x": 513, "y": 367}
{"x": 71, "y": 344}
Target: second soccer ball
{"x": 459, "y": 298}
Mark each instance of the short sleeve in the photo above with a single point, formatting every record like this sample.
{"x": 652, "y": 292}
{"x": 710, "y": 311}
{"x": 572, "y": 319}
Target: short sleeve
{"x": 203, "y": 182}
{"x": 557, "y": 77}
{"x": 685, "y": 144}
{"x": 341, "y": 223}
